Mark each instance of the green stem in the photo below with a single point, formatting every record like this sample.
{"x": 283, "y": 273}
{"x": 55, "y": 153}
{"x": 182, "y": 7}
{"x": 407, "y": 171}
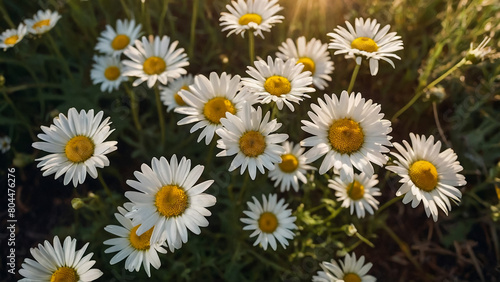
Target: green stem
{"x": 389, "y": 203}
{"x": 162, "y": 16}
{"x": 429, "y": 86}
{"x": 125, "y": 8}
{"x": 366, "y": 241}
{"x": 353, "y": 78}
{"x": 18, "y": 114}
{"x": 251, "y": 46}
{"x": 5, "y": 15}
{"x": 243, "y": 188}
{"x": 160, "y": 114}
{"x": 59, "y": 55}
{"x": 106, "y": 189}
{"x": 403, "y": 246}
{"x": 194, "y": 16}
{"x": 133, "y": 107}
{"x": 438, "y": 124}
{"x": 28, "y": 86}
{"x": 145, "y": 17}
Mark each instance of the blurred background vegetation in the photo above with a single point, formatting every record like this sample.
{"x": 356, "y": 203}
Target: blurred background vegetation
{"x": 401, "y": 242}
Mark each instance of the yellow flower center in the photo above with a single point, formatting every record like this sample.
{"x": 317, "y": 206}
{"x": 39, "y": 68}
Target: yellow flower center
{"x": 41, "y": 24}
{"x": 277, "y": 85}
{"x": 79, "y": 149}
{"x": 355, "y": 190}
{"x": 120, "y": 42}
{"x": 364, "y": 44}
{"x": 352, "y": 277}
{"x": 252, "y": 144}
{"x": 11, "y": 40}
{"x": 248, "y": 18}
{"x": 154, "y": 65}
{"x": 289, "y": 163}
{"x": 346, "y": 136}
{"x": 64, "y": 274}
{"x": 171, "y": 200}
{"x": 268, "y": 222}
{"x": 140, "y": 242}
{"x": 216, "y": 108}
{"x": 308, "y": 64}
{"x": 178, "y": 98}
{"x": 112, "y": 73}
{"x": 424, "y": 175}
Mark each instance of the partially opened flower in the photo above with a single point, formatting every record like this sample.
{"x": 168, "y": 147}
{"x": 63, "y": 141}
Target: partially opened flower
{"x": 475, "y": 55}
{"x": 428, "y": 176}
{"x": 313, "y": 55}
{"x": 58, "y": 262}
{"x": 252, "y": 15}
{"x": 11, "y": 37}
{"x": 271, "y": 221}
{"x": 348, "y": 270}
{"x": 76, "y": 145}
{"x": 5, "y": 144}
{"x": 169, "y": 94}
{"x": 158, "y": 60}
{"x": 114, "y": 42}
{"x": 107, "y": 70}
{"x": 138, "y": 250}
{"x": 366, "y": 39}
{"x": 42, "y": 22}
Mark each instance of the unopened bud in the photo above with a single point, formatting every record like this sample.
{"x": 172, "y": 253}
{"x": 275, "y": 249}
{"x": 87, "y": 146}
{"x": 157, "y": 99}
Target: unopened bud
{"x": 77, "y": 203}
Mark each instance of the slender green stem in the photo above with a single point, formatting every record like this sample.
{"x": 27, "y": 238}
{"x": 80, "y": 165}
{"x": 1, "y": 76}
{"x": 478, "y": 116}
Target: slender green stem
{"x": 402, "y": 245}
{"x": 438, "y": 125}
{"x": 243, "y": 187}
{"x": 133, "y": 107}
{"x": 429, "y": 86}
{"x": 106, "y": 188}
{"x": 251, "y": 46}
{"x": 5, "y": 15}
{"x": 125, "y": 8}
{"x": 366, "y": 241}
{"x": 159, "y": 108}
{"x": 389, "y": 203}
{"x": 163, "y": 13}
{"x": 194, "y": 16}
{"x": 353, "y": 78}
{"x": 30, "y": 85}
{"x": 145, "y": 17}
{"x": 18, "y": 114}
{"x": 63, "y": 60}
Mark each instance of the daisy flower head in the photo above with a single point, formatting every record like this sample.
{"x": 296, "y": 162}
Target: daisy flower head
{"x": 279, "y": 81}
{"x": 476, "y": 55}
{"x": 11, "y": 37}
{"x": 5, "y": 144}
{"x": 292, "y": 168}
{"x": 107, "y": 70}
{"x": 114, "y": 42}
{"x": 169, "y": 94}
{"x": 155, "y": 60}
{"x": 76, "y": 145}
{"x": 313, "y": 55}
{"x": 42, "y": 22}
{"x": 270, "y": 220}
{"x": 349, "y": 132}
{"x": 350, "y": 269}
{"x": 250, "y": 137}
{"x": 137, "y": 249}
{"x": 168, "y": 201}
{"x": 209, "y": 99}
{"x": 253, "y": 15}
{"x": 58, "y": 262}
{"x": 427, "y": 175}
{"x": 357, "y": 195}
{"x": 366, "y": 39}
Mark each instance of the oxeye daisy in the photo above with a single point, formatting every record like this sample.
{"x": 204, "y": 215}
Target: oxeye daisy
{"x": 313, "y": 55}
{"x": 350, "y": 132}
{"x": 137, "y": 249}
{"x": 270, "y": 220}
{"x": 114, "y": 42}
{"x": 4, "y": 144}
{"x": 349, "y": 270}
{"x": 11, "y": 37}
{"x": 42, "y": 22}
{"x": 292, "y": 168}
{"x": 366, "y": 39}
{"x": 208, "y": 100}
{"x": 248, "y": 136}
{"x": 357, "y": 195}
{"x": 76, "y": 145}
{"x": 155, "y": 60}
{"x": 169, "y": 94}
{"x": 108, "y": 71}
{"x": 278, "y": 81}
{"x": 252, "y": 15}
{"x": 427, "y": 175}
{"x": 58, "y": 262}
{"x": 169, "y": 201}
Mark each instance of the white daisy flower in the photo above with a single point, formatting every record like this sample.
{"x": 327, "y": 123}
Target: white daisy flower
{"x": 59, "y": 263}
{"x": 270, "y": 220}
{"x": 209, "y": 100}
{"x": 349, "y": 270}
{"x": 365, "y": 39}
{"x": 252, "y": 15}
{"x": 169, "y": 95}
{"x": 475, "y": 55}
{"x": 11, "y": 37}
{"x": 278, "y": 81}
{"x": 349, "y": 132}
{"x": 5, "y": 144}
{"x": 313, "y": 55}
{"x": 42, "y": 22}
{"x": 358, "y": 194}
{"x": 114, "y": 42}
{"x": 292, "y": 168}
{"x": 76, "y": 144}
{"x": 137, "y": 249}
{"x": 427, "y": 175}
{"x": 169, "y": 200}
{"x": 108, "y": 71}
{"x": 155, "y": 60}
{"x": 248, "y": 136}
